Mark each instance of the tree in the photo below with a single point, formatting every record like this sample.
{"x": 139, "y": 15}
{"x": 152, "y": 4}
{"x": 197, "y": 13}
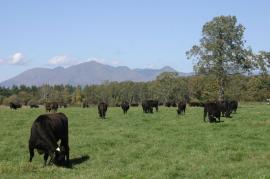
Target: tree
{"x": 24, "y": 96}
{"x": 77, "y": 96}
{"x": 170, "y": 87}
{"x": 263, "y": 62}
{"x": 222, "y": 50}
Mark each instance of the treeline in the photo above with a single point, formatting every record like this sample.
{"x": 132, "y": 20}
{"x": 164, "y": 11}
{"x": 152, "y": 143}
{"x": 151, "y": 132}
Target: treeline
{"x": 168, "y": 86}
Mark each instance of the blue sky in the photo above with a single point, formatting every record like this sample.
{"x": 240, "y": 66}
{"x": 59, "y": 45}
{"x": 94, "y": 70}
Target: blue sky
{"x": 134, "y": 33}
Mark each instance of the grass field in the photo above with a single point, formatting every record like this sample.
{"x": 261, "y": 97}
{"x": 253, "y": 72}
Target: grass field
{"x": 159, "y": 145}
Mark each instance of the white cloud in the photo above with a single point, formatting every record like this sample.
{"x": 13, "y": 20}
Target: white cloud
{"x": 62, "y": 60}
{"x": 115, "y": 62}
{"x": 103, "y": 61}
{"x": 17, "y": 59}
{"x": 99, "y": 60}
{"x": 151, "y": 66}
{"x": 2, "y": 61}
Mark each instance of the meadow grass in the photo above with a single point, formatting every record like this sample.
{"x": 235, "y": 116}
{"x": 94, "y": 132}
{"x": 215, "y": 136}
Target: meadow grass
{"x": 138, "y": 145}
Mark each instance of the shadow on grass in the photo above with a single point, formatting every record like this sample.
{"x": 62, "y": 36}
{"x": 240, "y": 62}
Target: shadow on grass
{"x": 74, "y": 161}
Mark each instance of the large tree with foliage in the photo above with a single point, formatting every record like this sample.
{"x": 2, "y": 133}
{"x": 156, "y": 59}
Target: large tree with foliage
{"x": 222, "y": 50}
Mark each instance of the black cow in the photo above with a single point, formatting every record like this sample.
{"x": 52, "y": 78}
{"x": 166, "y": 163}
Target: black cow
{"x": 168, "y": 104}
{"x": 14, "y": 105}
{"x": 171, "y": 103}
{"x": 213, "y": 111}
{"x": 225, "y": 108}
{"x": 34, "y": 106}
{"x": 102, "y": 108}
{"x": 181, "y": 107}
{"x": 85, "y": 104}
{"x": 196, "y": 104}
{"x": 53, "y": 106}
{"x": 234, "y": 105}
{"x": 154, "y": 104}
{"x": 134, "y": 104}
{"x": 125, "y": 106}
{"x": 147, "y": 106}
{"x": 46, "y": 131}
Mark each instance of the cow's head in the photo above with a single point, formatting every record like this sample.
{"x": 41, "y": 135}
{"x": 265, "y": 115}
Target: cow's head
{"x": 59, "y": 158}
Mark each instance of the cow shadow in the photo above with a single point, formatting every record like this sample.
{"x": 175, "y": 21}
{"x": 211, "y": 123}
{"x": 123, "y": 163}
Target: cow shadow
{"x": 74, "y": 161}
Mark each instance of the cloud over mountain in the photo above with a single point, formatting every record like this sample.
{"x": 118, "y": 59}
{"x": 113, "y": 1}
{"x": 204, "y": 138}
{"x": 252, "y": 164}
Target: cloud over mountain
{"x": 17, "y": 59}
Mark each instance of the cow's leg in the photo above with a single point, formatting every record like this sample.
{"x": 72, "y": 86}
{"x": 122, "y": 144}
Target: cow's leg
{"x": 31, "y": 151}
{"x": 67, "y": 153}
{"x": 51, "y": 157}
{"x": 46, "y": 155}
{"x": 204, "y": 115}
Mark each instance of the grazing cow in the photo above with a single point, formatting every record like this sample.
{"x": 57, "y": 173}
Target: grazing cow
{"x": 147, "y": 106}
{"x": 125, "y": 106}
{"x": 168, "y": 104}
{"x": 14, "y": 105}
{"x": 53, "y": 106}
{"x": 171, "y": 103}
{"x": 34, "y": 106}
{"x": 102, "y": 108}
{"x": 85, "y": 105}
{"x": 234, "y": 105}
{"x": 160, "y": 103}
{"x": 46, "y": 131}
{"x": 154, "y": 104}
{"x": 181, "y": 107}
{"x": 134, "y": 104}
{"x": 213, "y": 111}
{"x": 196, "y": 104}
{"x": 225, "y": 108}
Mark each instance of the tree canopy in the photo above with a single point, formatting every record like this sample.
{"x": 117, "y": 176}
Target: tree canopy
{"x": 222, "y": 51}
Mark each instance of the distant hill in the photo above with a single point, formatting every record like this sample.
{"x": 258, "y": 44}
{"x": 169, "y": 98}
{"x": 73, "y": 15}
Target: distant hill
{"x": 85, "y": 74}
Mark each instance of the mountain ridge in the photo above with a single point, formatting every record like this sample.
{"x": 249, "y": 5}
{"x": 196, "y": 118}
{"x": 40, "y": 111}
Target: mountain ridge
{"x": 85, "y": 73}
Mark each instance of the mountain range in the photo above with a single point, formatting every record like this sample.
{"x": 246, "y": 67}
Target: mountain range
{"x": 86, "y": 73}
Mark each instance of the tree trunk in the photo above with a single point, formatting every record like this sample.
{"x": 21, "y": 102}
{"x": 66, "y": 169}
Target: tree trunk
{"x": 221, "y": 89}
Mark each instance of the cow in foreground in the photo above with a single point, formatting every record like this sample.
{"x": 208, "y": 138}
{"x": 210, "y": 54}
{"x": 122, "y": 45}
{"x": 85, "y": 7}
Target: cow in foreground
{"x": 125, "y": 106}
{"x": 46, "y": 131}
{"x": 181, "y": 107}
{"x": 102, "y": 108}
{"x": 212, "y": 109}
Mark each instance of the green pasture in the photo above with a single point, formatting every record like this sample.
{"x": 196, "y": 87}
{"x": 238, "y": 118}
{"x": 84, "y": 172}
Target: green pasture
{"x": 138, "y": 145}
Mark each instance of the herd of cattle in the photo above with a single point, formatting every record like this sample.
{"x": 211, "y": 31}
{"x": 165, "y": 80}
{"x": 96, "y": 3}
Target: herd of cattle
{"x": 50, "y": 128}
{"x": 214, "y": 110}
